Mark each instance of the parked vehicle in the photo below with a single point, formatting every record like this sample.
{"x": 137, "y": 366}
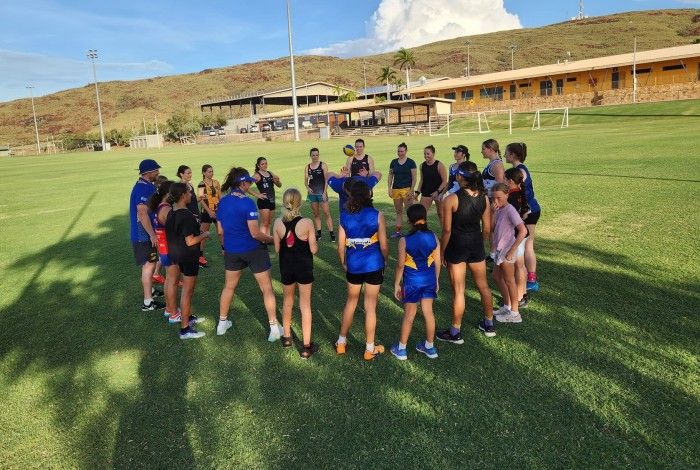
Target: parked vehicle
{"x": 266, "y": 128}
{"x": 306, "y": 124}
{"x": 254, "y": 128}
{"x": 277, "y": 126}
{"x": 212, "y": 133}
{"x": 290, "y": 125}
{"x": 243, "y": 130}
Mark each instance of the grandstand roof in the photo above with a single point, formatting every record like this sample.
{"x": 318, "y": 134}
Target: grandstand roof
{"x": 354, "y": 106}
{"x": 656, "y": 55}
{"x": 281, "y": 96}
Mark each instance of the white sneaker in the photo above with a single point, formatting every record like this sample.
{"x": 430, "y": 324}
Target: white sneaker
{"x": 503, "y": 310}
{"x": 511, "y": 317}
{"x": 276, "y": 332}
{"x": 223, "y": 326}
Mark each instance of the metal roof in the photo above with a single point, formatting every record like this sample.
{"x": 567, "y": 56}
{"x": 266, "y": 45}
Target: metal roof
{"x": 656, "y": 55}
{"x": 282, "y": 96}
{"x": 352, "y": 106}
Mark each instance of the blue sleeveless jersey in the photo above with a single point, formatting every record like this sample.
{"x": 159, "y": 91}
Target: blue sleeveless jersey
{"x": 529, "y": 190}
{"x": 362, "y": 253}
{"x": 419, "y": 269}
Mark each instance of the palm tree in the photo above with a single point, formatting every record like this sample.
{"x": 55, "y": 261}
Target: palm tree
{"x": 388, "y": 75}
{"x": 405, "y": 59}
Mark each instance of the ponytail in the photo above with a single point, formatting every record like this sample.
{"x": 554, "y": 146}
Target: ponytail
{"x": 417, "y": 216}
{"x": 291, "y": 204}
{"x": 176, "y": 192}
{"x": 360, "y": 197}
{"x": 519, "y": 149}
{"x": 157, "y": 197}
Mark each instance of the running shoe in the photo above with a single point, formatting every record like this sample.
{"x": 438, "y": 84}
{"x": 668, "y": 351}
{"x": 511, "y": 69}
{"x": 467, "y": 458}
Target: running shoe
{"x": 157, "y": 292}
{"x": 396, "y": 234}
{"x": 194, "y": 320}
{"x": 489, "y": 331}
{"x": 502, "y": 310}
{"x": 154, "y": 305}
{"x": 318, "y": 235}
{"x": 190, "y": 333}
{"x": 533, "y": 286}
{"x": 203, "y": 263}
{"x": 378, "y": 349}
{"x": 276, "y": 332}
{"x": 445, "y": 335}
{"x": 525, "y": 301}
{"x": 223, "y": 326}
{"x": 399, "y": 354}
{"x": 173, "y": 319}
{"x": 340, "y": 348}
{"x": 158, "y": 279}
{"x": 308, "y": 351}
{"x": 332, "y": 236}
{"x": 430, "y": 352}
{"x": 511, "y": 317}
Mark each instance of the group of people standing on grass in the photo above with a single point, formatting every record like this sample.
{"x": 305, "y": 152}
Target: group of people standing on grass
{"x": 171, "y": 222}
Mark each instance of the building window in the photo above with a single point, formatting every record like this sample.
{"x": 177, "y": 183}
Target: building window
{"x": 513, "y": 91}
{"x": 672, "y": 67}
{"x": 570, "y": 79}
{"x": 560, "y": 86}
{"x": 641, "y": 71}
{"x": 467, "y": 95}
{"x": 524, "y": 85}
{"x": 450, "y": 96}
{"x": 494, "y": 93}
{"x": 546, "y": 88}
{"x": 615, "y": 80}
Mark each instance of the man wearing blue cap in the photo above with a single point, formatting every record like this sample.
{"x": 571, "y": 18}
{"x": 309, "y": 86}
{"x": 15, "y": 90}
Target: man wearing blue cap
{"x": 143, "y": 237}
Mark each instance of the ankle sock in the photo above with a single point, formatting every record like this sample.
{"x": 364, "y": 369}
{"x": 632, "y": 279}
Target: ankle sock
{"x": 401, "y": 346}
{"x": 531, "y": 277}
{"x": 370, "y": 347}
{"x": 428, "y": 344}
{"x": 147, "y": 302}
{"x": 454, "y": 331}
{"x": 342, "y": 339}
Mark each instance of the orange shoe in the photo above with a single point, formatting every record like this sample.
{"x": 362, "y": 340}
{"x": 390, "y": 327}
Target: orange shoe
{"x": 378, "y": 349}
{"x": 158, "y": 279}
{"x": 340, "y": 348}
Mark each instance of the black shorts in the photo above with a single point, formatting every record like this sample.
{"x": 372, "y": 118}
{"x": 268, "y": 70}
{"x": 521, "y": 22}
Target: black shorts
{"x": 266, "y": 204}
{"x": 189, "y": 268}
{"x": 296, "y": 276}
{"x": 205, "y": 219}
{"x": 465, "y": 248}
{"x": 374, "y": 278}
{"x": 258, "y": 260}
{"x": 532, "y": 218}
{"x": 144, "y": 252}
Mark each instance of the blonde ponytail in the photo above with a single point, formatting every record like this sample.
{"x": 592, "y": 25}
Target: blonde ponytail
{"x": 291, "y": 204}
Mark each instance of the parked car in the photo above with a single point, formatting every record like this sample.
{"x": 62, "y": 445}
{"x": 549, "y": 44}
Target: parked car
{"x": 306, "y": 124}
{"x": 266, "y": 128}
{"x": 222, "y": 132}
{"x": 254, "y": 128}
{"x": 243, "y": 130}
{"x": 277, "y": 126}
{"x": 290, "y": 125}
{"x": 212, "y": 133}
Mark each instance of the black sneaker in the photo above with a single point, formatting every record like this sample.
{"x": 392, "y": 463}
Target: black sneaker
{"x": 154, "y": 305}
{"x": 157, "y": 292}
{"x": 525, "y": 301}
{"x": 489, "y": 331}
{"x": 332, "y": 235}
{"x": 445, "y": 335}
{"x": 318, "y": 235}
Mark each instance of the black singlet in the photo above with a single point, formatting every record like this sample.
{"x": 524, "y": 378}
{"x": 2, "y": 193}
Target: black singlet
{"x": 356, "y": 164}
{"x": 431, "y": 178}
{"x": 296, "y": 259}
{"x": 266, "y": 185}
{"x": 317, "y": 179}
{"x": 467, "y": 217}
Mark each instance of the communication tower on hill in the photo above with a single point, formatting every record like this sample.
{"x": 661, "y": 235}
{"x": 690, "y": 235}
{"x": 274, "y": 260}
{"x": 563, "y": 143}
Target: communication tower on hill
{"x": 580, "y": 15}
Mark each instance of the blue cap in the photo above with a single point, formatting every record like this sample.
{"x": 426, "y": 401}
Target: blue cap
{"x": 463, "y": 173}
{"x": 247, "y": 178}
{"x": 147, "y": 166}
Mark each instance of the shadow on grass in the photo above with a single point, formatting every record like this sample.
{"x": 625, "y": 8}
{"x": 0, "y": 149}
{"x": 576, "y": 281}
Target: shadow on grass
{"x": 600, "y": 372}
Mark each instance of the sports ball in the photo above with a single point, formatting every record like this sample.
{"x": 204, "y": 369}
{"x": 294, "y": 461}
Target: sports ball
{"x": 349, "y": 150}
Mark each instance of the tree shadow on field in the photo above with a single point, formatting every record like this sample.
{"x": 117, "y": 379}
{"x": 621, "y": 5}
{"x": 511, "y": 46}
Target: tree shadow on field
{"x": 576, "y": 376}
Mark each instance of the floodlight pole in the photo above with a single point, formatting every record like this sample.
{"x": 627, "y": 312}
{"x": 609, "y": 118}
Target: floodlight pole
{"x": 294, "y": 81}
{"x": 92, "y": 55}
{"x": 634, "y": 72}
{"x": 512, "y": 50}
{"x": 36, "y": 127}
{"x": 468, "y": 71}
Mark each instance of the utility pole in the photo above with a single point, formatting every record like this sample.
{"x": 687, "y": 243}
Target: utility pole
{"x": 92, "y": 55}
{"x": 468, "y": 71}
{"x": 294, "y": 81}
{"x": 364, "y": 72}
{"x": 512, "y": 50}
{"x": 36, "y": 127}
{"x": 634, "y": 71}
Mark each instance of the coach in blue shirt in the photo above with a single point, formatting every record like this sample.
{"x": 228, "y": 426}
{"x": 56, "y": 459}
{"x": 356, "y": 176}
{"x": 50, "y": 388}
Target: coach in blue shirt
{"x": 245, "y": 246}
{"x": 340, "y": 183}
{"x": 143, "y": 237}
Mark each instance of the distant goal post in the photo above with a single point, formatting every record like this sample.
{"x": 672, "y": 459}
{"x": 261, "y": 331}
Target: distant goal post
{"x": 537, "y": 120}
{"x": 474, "y": 122}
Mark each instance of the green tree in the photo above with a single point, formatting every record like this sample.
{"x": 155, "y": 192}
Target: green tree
{"x": 181, "y": 123}
{"x": 387, "y": 75}
{"x": 405, "y": 59}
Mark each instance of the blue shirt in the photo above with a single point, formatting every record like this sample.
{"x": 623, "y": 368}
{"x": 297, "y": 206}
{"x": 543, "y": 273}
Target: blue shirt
{"x": 402, "y": 173}
{"x": 234, "y": 212}
{"x": 140, "y": 194}
{"x": 336, "y": 184}
{"x": 529, "y": 190}
{"x": 362, "y": 253}
{"x": 419, "y": 269}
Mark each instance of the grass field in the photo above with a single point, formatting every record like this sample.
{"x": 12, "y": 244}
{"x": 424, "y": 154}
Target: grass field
{"x": 603, "y": 372}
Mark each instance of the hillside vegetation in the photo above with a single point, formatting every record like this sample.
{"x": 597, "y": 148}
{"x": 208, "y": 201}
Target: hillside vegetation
{"x": 125, "y": 103}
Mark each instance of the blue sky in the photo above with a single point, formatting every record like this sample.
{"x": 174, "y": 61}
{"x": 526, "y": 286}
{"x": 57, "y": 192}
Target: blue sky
{"x": 44, "y": 42}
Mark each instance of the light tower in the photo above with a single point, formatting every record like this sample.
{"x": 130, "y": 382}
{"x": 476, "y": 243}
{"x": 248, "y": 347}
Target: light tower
{"x": 92, "y": 55}
{"x": 580, "y": 15}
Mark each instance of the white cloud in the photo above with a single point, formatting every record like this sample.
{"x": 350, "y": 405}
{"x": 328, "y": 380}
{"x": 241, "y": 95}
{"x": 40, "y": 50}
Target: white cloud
{"x": 410, "y": 23}
{"x": 49, "y": 74}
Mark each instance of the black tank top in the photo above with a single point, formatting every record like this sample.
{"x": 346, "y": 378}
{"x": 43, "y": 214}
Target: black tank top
{"x": 467, "y": 218}
{"x": 295, "y": 254}
{"x": 356, "y": 164}
{"x": 317, "y": 179}
{"x": 193, "y": 205}
{"x": 266, "y": 185}
{"x": 431, "y": 178}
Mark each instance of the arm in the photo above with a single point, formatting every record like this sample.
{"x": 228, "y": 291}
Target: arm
{"x": 442, "y": 171}
{"x": 341, "y": 246}
{"x": 448, "y": 207}
{"x": 201, "y": 196}
{"x": 522, "y": 233}
{"x": 499, "y": 173}
{"x": 192, "y": 240}
{"x": 255, "y": 232}
{"x": 142, "y": 217}
{"x": 276, "y": 235}
{"x": 220, "y": 231}
{"x": 390, "y": 180}
{"x": 370, "y": 160}
{"x": 486, "y": 221}
{"x": 377, "y": 175}
{"x": 326, "y": 174}
{"x": 276, "y": 180}
{"x": 163, "y": 214}
{"x": 311, "y": 234}
{"x": 413, "y": 179}
{"x": 306, "y": 178}
{"x": 400, "y": 262}
{"x": 383, "y": 245}
{"x": 438, "y": 264}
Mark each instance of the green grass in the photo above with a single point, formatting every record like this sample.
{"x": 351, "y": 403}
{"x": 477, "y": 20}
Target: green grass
{"x": 603, "y": 372}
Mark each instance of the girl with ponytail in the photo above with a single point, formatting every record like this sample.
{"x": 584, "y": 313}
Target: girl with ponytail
{"x": 418, "y": 265}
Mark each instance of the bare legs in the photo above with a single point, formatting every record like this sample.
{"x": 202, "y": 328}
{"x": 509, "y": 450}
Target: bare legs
{"x": 426, "y": 306}
{"x": 458, "y": 274}
{"x": 304, "y": 306}
{"x": 370, "y": 303}
{"x": 172, "y": 276}
{"x": 147, "y": 271}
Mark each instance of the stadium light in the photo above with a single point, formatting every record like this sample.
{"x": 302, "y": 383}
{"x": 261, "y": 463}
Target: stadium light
{"x": 294, "y": 81}
{"x": 512, "y": 50}
{"x": 92, "y": 55}
{"x": 36, "y": 127}
{"x": 634, "y": 72}
{"x": 468, "y": 44}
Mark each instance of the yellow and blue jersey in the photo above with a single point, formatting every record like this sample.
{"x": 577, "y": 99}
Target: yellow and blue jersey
{"x": 362, "y": 252}
{"x": 419, "y": 269}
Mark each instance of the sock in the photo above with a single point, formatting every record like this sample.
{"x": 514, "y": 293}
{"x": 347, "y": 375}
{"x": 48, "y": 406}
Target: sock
{"x": 318, "y": 233}
{"x": 223, "y": 319}
{"x": 454, "y": 331}
{"x": 184, "y": 330}
{"x": 488, "y": 322}
{"x": 370, "y": 347}
{"x": 401, "y": 346}
{"x": 428, "y": 344}
{"x": 147, "y": 302}
{"x": 273, "y": 323}
{"x": 506, "y": 306}
{"x": 531, "y": 277}
{"x": 342, "y": 339}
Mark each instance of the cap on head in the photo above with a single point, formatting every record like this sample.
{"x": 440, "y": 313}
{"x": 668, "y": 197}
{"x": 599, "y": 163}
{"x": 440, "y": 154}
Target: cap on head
{"x": 148, "y": 165}
{"x": 461, "y": 148}
{"x": 245, "y": 178}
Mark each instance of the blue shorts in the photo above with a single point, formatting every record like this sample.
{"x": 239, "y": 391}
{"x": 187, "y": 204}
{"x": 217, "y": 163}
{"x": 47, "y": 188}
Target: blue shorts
{"x": 414, "y": 294}
{"x": 316, "y": 198}
{"x": 165, "y": 260}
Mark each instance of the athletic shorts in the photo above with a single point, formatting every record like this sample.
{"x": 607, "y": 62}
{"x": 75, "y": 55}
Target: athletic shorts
{"x": 413, "y": 294}
{"x": 401, "y": 193}
{"x": 165, "y": 260}
{"x": 521, "y": 248}
{"x": 465, "y": 248}
{"x": 532, "y": 218}
{"x": 316, "y": 198}
{"x": 189, "y": 268}
{"x": 499, "y": 257}
{"x": 258, "y": 260}
{"x": 144, "y": 252}
{"x": 206, "y": 219}
{"x": 266, "y": 204}
{"x": 296, "y": 276}
{"x": 375, "y": 278}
